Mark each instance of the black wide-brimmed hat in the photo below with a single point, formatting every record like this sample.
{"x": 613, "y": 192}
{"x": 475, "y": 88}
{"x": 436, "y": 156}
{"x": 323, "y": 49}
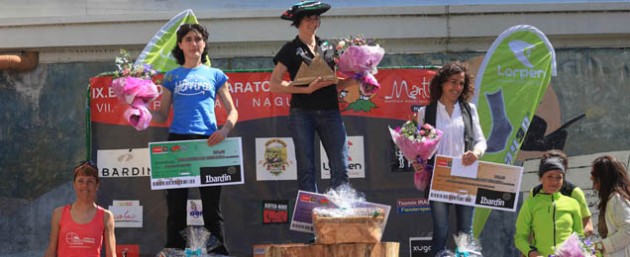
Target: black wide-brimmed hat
{"x": 305, "y": 8}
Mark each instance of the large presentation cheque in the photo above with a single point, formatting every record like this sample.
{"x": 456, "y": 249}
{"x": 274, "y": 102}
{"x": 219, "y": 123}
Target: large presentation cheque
{"x": 192, "y": 163}
{"x": 490, "y": 185}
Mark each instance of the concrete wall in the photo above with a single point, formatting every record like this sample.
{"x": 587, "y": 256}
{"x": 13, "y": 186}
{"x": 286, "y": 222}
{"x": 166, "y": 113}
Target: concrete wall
{"x": 43, "y": 125}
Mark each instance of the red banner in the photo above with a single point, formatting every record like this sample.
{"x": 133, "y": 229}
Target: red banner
{"x": 402, "y": 92}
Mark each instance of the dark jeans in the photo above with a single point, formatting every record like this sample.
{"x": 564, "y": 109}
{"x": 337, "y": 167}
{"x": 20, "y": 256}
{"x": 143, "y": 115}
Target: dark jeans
{"x": 211, "y": 203}
{"x": 328, "y": 125}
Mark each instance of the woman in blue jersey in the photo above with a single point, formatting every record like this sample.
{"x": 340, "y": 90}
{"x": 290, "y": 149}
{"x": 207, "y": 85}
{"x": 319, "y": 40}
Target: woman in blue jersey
{"x": 192, "y": 90}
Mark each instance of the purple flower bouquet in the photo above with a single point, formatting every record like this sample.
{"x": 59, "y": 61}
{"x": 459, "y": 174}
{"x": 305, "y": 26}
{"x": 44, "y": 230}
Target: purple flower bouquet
{"x": 575, "y": 246}
{"x": 134, "y": 86}
{"x": 358, "y": 59}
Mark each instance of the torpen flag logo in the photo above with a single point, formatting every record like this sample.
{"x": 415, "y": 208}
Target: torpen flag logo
{"x": 511, "y": 81}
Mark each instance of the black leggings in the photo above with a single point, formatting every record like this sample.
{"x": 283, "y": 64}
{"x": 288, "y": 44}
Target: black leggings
{"x": 211, "y": 203}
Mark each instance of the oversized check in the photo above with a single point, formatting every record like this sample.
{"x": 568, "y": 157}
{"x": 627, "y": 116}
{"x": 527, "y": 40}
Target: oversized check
{"x": 491, "y": 185}
{"x": 192, "y": 163}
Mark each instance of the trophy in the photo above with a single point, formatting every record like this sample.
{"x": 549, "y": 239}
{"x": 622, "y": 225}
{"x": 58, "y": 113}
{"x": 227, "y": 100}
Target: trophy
{"x": 318, "y": 68}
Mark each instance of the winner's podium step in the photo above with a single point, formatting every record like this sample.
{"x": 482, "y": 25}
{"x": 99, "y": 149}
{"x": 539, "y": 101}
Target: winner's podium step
{"x": 383, "y": 249}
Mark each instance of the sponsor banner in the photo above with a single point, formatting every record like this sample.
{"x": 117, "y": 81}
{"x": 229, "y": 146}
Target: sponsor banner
{"x": 356, "y": 158}
{"x": 116, "y": 163}
{"x": 275, "y": 159}
{"x": 275, "y": 212}
{"x": 302, "y": 219}
{"x": 420, "y": 247}
{"x": 194, "y": 213}
{"x": 253, "y": 98}
{"x": 402, "y": 92}
{"x": 510, "y": 83}
{"x": 127, "y": 214}
{"x": 414, "y": 205}
{"x": 192, "y": 163}
{"x": 487, "y": 184}
{"x": 127, "y": 250}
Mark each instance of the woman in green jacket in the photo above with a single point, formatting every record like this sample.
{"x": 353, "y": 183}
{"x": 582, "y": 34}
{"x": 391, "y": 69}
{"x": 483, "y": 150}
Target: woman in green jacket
{"x": 549, "y": 216}
{"x": 569, "y": 189}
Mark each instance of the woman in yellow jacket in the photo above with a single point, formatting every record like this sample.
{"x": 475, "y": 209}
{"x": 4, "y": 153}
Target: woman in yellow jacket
{"x": 550, "y": 216}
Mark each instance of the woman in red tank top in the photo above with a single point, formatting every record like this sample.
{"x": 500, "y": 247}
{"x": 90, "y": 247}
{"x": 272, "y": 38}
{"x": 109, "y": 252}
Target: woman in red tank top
{"x": 79, "y": 229}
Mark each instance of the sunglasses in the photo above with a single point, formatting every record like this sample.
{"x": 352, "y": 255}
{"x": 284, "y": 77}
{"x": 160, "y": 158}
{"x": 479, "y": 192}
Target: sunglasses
{"x": 89, "y": 163}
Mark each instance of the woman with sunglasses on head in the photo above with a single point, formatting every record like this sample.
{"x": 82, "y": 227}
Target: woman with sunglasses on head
{"x": 80, "y": 228}
{"x": 610, "y": 180}
{"x": 192, "y": 90}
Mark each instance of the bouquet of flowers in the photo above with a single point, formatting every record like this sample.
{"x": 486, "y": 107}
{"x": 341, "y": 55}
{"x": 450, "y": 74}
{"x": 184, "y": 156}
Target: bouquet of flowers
{"x": 358, "y": 58}
{"x": 134, "y": 86}
{"x": 575, "y": 246}
{"x": 417, "y": 144}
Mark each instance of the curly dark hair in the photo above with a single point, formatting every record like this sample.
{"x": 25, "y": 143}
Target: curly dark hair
{"x": 181, "y": 33}
{"x": 612, "y": 177}
{"x": 442, "y": 76}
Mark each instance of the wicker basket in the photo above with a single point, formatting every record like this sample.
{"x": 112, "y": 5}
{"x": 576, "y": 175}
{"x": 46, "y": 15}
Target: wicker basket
{"x": 349, "y": 229}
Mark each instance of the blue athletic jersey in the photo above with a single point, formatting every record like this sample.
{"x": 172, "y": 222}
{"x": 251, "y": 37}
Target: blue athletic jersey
{"x": 194, "y": 92}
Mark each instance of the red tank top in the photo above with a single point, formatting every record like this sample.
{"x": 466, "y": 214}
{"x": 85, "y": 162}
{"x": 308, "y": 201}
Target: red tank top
{"x": 80, "y": 240}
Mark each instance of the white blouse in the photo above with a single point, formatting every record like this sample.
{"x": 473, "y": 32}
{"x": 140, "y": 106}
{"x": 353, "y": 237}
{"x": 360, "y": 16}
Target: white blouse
{"x": 452, "y": 127}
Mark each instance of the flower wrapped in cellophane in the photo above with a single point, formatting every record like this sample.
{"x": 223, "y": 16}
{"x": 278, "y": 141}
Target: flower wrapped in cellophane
{"x": 466, "y": 246}
{"x": 418, "y": 144}
{"x": 358, "y": 58}
{"x": 134, "y": 86}
{"x": 575, "y": 246}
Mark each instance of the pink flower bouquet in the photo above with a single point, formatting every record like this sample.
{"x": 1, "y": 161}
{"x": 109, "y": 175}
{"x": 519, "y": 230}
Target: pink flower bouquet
{"x": 358, "y": 58}
{"x": 134, "y": 86}
{"x": 417, "y": 144}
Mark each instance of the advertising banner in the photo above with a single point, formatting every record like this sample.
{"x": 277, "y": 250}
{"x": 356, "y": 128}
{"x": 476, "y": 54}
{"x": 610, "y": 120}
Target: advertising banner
{"x": 268, "y": 157}
{"x": 511, "y": 82}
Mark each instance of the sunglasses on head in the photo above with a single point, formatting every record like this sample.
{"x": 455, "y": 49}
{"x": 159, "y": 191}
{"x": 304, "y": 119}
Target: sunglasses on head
{"x": 90, "y": 163}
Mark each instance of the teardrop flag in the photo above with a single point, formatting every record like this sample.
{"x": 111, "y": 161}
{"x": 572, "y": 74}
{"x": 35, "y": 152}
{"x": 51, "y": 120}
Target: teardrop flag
{"x": 157, "y": 52}
{"x": 510, "y": 84}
